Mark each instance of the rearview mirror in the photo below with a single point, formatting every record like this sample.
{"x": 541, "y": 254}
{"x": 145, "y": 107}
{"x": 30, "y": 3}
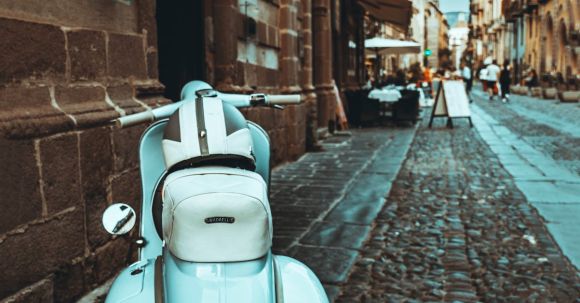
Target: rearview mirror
{"x": 119, "y": 219}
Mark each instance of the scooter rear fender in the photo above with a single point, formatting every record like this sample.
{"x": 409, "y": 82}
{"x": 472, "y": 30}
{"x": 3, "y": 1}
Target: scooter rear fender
{"x": 267, "y": 280}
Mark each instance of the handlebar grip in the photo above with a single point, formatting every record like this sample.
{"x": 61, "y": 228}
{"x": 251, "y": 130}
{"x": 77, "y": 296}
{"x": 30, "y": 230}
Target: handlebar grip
{"x": 135, "y": 119}
{"x": 283, "y": 99}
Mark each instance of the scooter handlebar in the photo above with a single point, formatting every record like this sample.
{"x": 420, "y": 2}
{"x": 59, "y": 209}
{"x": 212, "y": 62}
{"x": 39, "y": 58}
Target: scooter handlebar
{"x": 148, "y": 115}
{"x": 234, "y": 99}
{"x": 135, "y": 119}
{"x": 283, "y": 99}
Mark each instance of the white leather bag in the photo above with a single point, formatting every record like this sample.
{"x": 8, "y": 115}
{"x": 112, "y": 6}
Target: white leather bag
{"x": 216, "y": 214}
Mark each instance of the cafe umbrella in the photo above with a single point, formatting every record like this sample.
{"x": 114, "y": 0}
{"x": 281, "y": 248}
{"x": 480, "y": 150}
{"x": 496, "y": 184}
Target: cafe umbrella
{"x": 383, "y": 46}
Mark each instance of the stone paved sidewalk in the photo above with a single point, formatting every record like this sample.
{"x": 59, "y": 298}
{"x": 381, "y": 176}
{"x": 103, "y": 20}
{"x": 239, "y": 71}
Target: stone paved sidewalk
{"x": 325, "y": 203}
{"x": 549, "y": 125}
{"x": 548, "y": 186}
{"x": 455, "y": 228}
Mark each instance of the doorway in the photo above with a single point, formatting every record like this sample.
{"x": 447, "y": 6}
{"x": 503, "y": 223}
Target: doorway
{"x": 180, "y": 42}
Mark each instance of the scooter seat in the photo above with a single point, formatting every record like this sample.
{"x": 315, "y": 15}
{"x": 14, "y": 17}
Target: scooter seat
{"x": 216, "y": 214}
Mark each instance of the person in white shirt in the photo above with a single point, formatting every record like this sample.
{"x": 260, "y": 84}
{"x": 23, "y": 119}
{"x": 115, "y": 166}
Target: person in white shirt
{"x": 493, "y": 72}
{"x": 466, "y": 75}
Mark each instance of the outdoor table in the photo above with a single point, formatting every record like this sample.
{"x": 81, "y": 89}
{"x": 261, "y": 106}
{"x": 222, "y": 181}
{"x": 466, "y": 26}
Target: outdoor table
{"x": 386, "y": 97}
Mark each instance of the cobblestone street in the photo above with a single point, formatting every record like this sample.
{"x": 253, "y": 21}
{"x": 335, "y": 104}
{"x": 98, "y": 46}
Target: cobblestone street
{"x": 324, "y": 204}
{"x": 549, "y": 125}
{"x": 456, "y": 228}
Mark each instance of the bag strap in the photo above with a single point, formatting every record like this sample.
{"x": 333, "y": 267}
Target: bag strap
{"x": 159, "y": 289}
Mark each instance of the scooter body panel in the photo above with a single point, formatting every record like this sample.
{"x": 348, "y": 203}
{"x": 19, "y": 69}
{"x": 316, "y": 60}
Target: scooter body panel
{"x": 152, "y": 170}
{"x": 297, "y": 282}
{"x": 250, "y": 281}
{"x": 135, "y": 284}
{"x": 243, "y": 282}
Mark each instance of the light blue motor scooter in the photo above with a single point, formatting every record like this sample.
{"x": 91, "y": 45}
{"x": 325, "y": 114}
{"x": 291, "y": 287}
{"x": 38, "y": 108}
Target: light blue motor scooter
{"x": 161, "y": 276}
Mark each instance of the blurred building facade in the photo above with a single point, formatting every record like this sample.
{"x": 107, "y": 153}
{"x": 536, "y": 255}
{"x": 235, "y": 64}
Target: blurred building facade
{"x": 458, "y": 35}
{"x": 531, "y": 34}
{"x": 428, "y": 26}
{"x": 436, "y": 36}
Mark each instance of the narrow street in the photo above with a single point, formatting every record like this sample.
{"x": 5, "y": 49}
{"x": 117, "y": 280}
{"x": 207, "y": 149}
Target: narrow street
{"x": 478, "y": 214}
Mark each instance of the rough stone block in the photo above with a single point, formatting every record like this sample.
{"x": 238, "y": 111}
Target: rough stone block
{"x": 262, "y": 76}
{"x": 272, "y": 77}
{"x": 262, "y": 29}
{"x": 153, "y": 65}
{"x": 570, "y": 96}
{"x": 95, "y": 205}
{"x": 25, "y": 102}
{"x": 19, "y": 180}
{"x": 88, "y": 56}
{"x": 111, "y": 258}
{"x": 251, "y": 75}
{"x": 126, "y": 147}
{"x": 126, "y": 56}
{"x": 39, "y": 292}
{"x": 126, "y": 188}
{"x": 122, "y": 95}
{"x": 19, "y": 129}
{"x": 148, "y": 21}
{"x": 266, "y": 118}
{"x": 71, "y": 281}
{"x": 537, "y": 92}
{"x": 550, "y": 93}
{"x": 27, "y": 112}
{"x": 289, "y": 42}
{"x": 86, "y": 103}
{"x": 241, "y": 26}
{"x": 252, "y": 114}
{"x": 96, "y": 167}
{"x": 150, "y": 92}
{"x": 60, "y": 171}
{"x": 40, "y": 250}
{"x": 273, "y": 37}
{"x": 31, "y": 50}
{"x": 515, "y": 89}
{"x": 239, "y": 78}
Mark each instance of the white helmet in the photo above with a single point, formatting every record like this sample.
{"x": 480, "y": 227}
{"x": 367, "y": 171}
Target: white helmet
{"x": 207, "y": 131}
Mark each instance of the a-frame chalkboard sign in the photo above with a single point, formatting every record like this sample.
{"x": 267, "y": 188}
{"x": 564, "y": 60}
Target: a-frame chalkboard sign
{"x": 451, "y": 101}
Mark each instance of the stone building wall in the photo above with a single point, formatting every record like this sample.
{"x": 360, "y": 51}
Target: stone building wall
{"x": 550, "y": 35}
{"x": 67, "y": 68}
{"x": 254, "y": 47}
{"x": 433, "y": 33}
{"x": 554, "y": 21}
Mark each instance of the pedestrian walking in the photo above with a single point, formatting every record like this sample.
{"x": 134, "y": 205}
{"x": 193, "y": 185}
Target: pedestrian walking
{"x": 505, "y": 81}
{"x": 493, "y": 72}
{"x": 466, "y": 75}
{"x": 482, "y": 75}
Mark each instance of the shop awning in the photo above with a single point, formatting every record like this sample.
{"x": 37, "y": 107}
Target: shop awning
{"x": 384, "y": 46}
{"x": 396, "y": 12}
